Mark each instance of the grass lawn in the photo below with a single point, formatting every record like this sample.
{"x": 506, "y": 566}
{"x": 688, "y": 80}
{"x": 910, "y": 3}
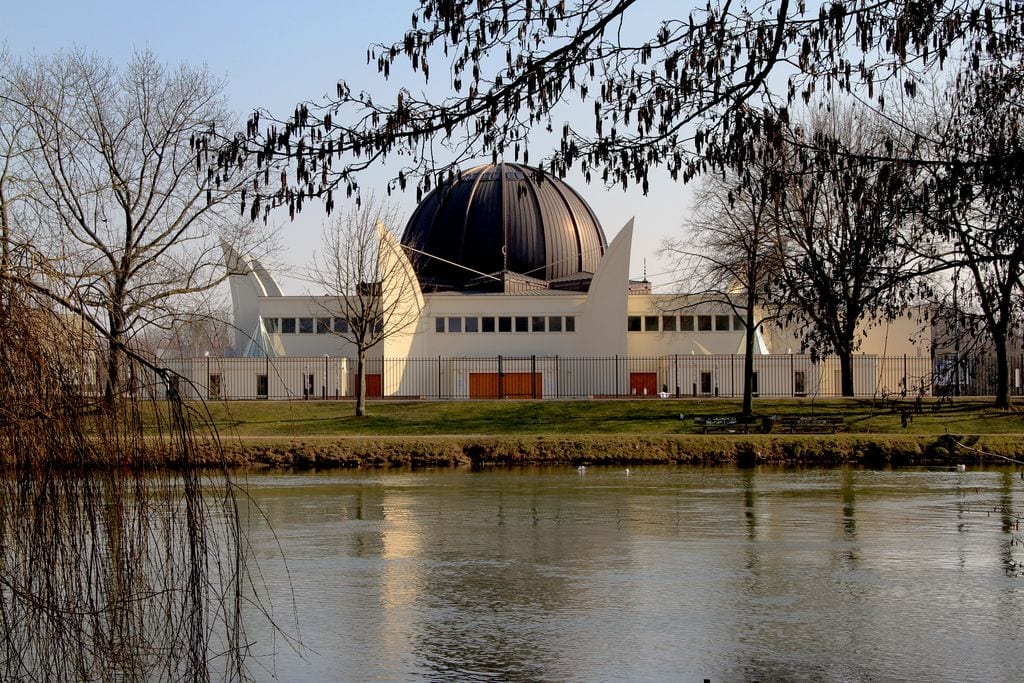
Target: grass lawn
{"x": 293, "y": 419}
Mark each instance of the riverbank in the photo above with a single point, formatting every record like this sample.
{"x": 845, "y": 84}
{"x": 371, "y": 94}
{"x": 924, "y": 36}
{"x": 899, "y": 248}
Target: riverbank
{"x": 504, "y": 433}
{"x": 610, "y": 449}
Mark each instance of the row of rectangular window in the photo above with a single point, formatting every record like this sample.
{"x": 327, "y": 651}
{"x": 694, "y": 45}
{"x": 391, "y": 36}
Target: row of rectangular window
{"x": 505, "y": 323}
{"x": 305, "y": 325}
{"x": 455, "y": 324}
{"x": 683, "y": 323}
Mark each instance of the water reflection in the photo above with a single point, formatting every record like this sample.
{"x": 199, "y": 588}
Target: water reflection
{"x": 543, "y": 574}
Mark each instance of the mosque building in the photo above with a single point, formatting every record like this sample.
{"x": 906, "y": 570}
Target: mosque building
{"x": 508, "y": 287}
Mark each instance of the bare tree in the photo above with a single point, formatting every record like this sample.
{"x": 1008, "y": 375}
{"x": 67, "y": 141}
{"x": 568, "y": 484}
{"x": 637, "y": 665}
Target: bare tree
{"x": 111, "y": 567}
{"x": 729, "y": 255}
{"x": 979, "y": 210}
{"x": 128, "y": 210}
{"x": 842, "y": 233}
{"x": 373, "y": 290}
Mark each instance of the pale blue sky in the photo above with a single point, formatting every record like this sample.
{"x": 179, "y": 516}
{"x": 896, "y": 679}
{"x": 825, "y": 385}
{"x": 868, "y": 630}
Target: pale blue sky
{"x": 274, "y": 55}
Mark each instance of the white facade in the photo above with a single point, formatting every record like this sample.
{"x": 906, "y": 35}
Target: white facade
{"x": 539, "y": 343}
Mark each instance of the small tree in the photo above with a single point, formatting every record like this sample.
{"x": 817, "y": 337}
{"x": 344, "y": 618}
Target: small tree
{"x": 730, "y": 254}
{"x": 372, "y": 287}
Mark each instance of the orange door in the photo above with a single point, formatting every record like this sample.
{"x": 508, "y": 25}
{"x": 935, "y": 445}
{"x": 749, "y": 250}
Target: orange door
{"x": 643, "y": 383}
{"x": 522, "y": 385}
{"x": 483, "y": 385}
{"x": 373, "y": 386}
{"x": 512, "y": 385}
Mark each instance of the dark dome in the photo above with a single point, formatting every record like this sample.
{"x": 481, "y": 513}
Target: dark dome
{"x": 501, "y": 220}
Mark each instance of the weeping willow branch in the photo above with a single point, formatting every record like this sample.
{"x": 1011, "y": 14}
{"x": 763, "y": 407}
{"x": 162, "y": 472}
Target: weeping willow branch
{"x": 112, "y": 566}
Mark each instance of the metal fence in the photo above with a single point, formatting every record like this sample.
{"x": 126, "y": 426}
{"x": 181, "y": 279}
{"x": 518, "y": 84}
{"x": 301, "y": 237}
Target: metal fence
{"x": 542, "y": 377}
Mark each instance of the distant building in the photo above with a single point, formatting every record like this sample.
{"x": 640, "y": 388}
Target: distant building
{"x": 513, "y": 263}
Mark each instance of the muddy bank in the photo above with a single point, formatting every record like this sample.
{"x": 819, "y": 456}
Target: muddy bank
{"x": 478, "y": 451}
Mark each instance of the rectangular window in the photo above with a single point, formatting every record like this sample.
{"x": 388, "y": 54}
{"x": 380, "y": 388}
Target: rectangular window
{"x": 633, "y": 323}
{"x": 554, "y": 323}
{"x": 570, "y": 323}
{"x": 738, "y": 323}
{"x": 650, "y": 323}
{"x": 341, "y": 326}
{"x": 438, "y": 324}
{"x": 323, "y": 325}
{"x": 288, "y": 325}
{"x": 272, "y": 325}
{"x": 487, "y": 324}
{"x": 305, "y": 326}
{"x": 722, "y": 323}
{"x": 668, "y": 323}
{"x": 799, "y": 383}
{"x": 455, "y": 324}
{"x": 504, "y": 324}
{"x": 538, "y": 323}
{"x": 705, "y": 382}
{"x": 686, "y": 323}
{"x": 472, "y": 324}
{"x": 704, "y": 323}
{"x": 261, "y": 386}
{"x": 522, "y": 323}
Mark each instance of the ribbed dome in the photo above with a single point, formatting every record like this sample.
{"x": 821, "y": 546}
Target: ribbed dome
{"x": 499, "y": 219}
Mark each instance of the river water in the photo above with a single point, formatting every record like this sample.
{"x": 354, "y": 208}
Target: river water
{"x": 664, "y": 574}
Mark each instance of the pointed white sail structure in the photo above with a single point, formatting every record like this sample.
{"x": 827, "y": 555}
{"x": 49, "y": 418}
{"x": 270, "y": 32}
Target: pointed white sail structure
{"x": 249, "y": 281}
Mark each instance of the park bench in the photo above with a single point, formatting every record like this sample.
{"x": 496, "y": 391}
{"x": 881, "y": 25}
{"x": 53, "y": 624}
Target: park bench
{"x": 811, "y": 423}
{"x": 720, "y": 424}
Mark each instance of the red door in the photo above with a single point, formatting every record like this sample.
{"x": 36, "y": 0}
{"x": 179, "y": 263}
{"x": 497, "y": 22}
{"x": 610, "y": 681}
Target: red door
{"x": 643, "y": 384}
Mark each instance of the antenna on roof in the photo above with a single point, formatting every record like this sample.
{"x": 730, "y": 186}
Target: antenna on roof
{"x": 645, "y": 269}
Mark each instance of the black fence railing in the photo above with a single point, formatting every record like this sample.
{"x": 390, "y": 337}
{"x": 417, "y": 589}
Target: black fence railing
{"x": 974, "y": 375}
{"x": 543, "y": 377}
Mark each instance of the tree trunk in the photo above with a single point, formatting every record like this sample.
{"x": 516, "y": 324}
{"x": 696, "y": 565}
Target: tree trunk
{"x": 118, "y": 333}
{"x": 5, "y": 236}
{"x": 113, "y": 373}
{"x": 846, "y": 371}
{"x": 115, "y": 358}
{"x": 361, "y": 382}
{"x": 748, "y": 358}
{"x": 1002, "y": 371}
